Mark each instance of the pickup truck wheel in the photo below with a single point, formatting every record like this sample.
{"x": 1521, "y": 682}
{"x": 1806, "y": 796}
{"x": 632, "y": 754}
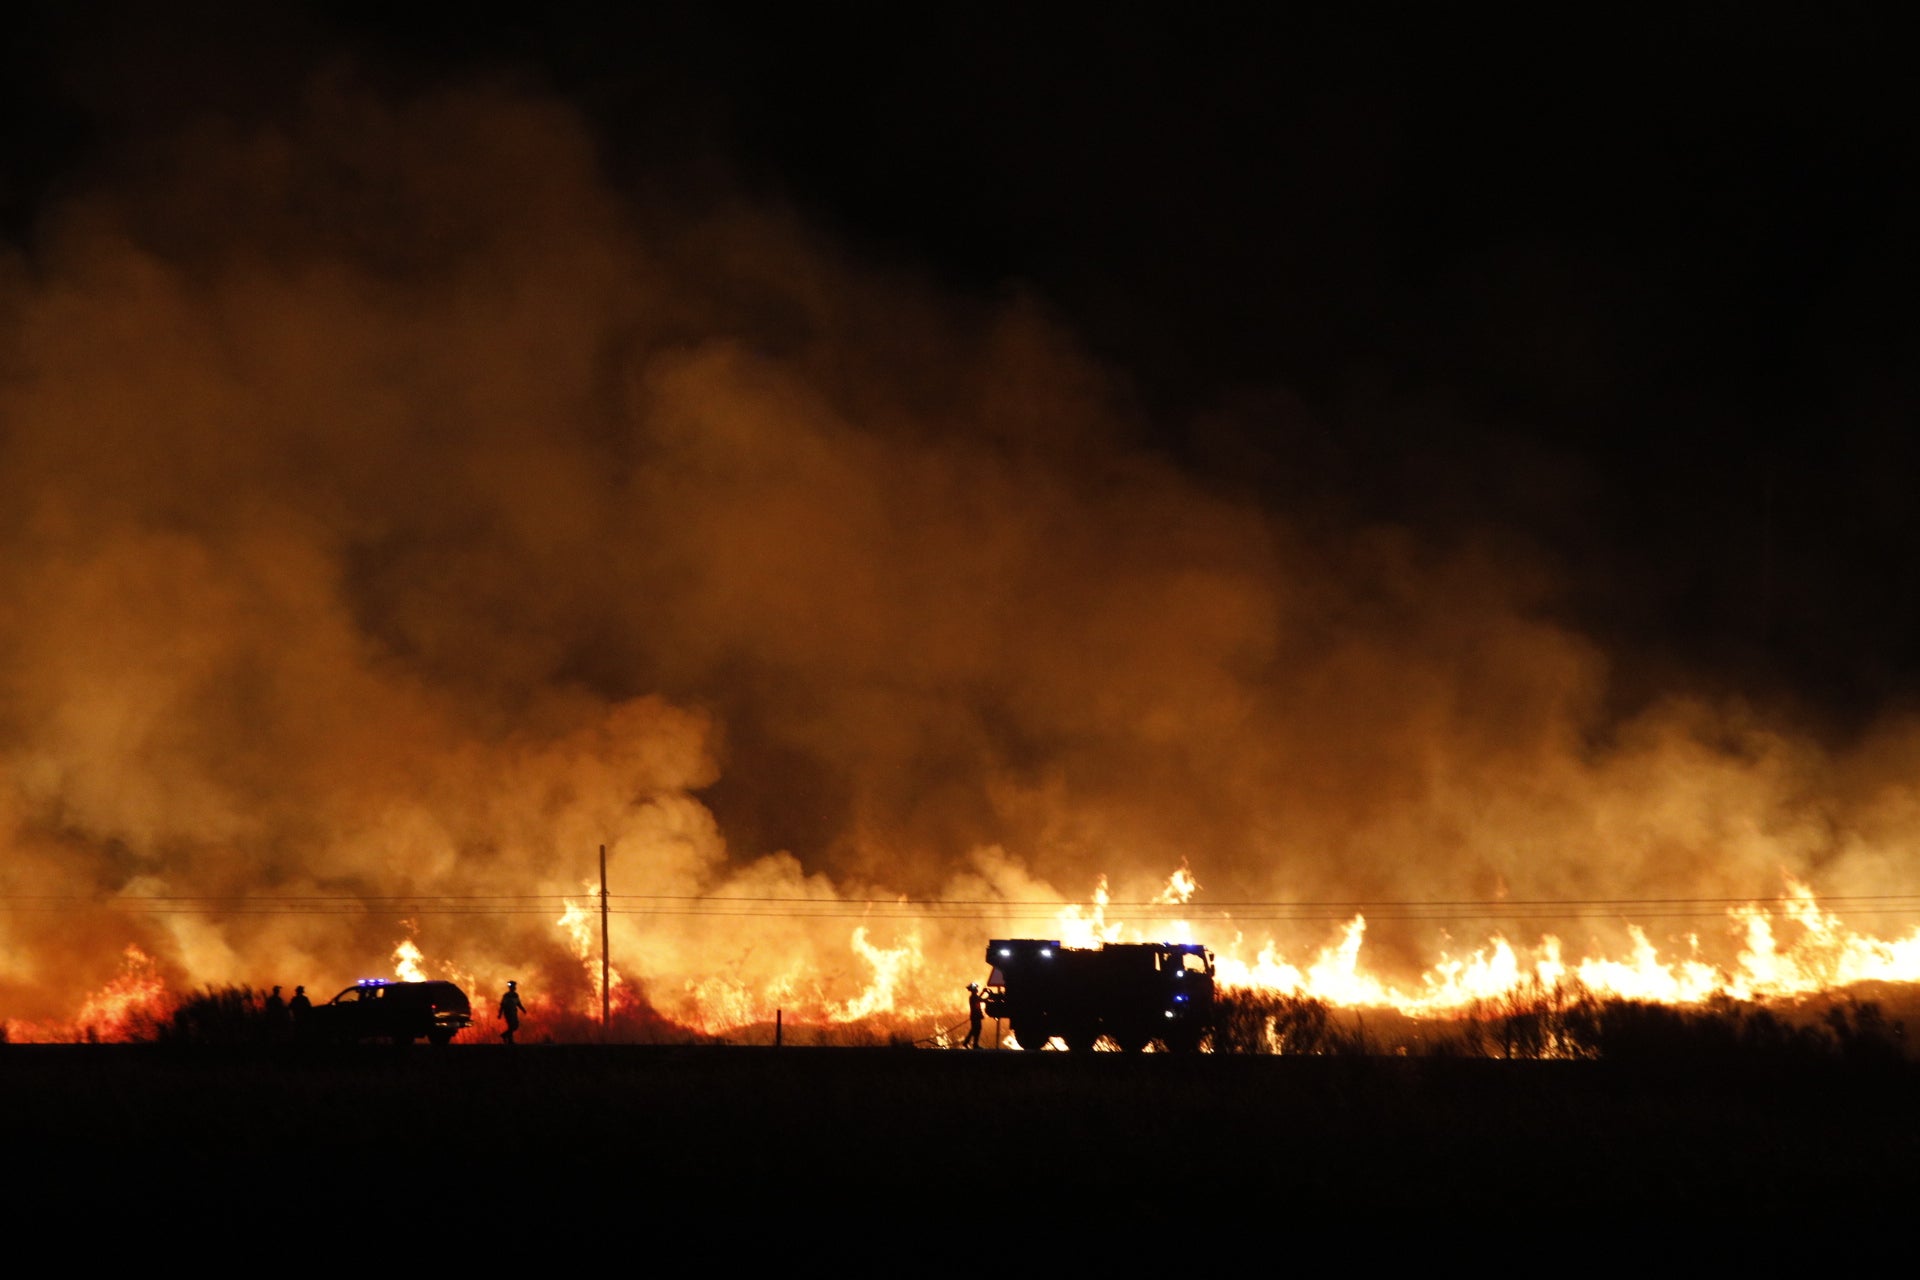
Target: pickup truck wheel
{"x": 440, "y": 1037}
{"x": 1081, "y": 1040}
{"x": 1032, "y": 1039}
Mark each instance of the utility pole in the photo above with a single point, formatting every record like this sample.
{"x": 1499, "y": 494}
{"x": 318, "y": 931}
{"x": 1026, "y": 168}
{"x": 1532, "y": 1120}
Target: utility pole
{"x": 606, "y": 992}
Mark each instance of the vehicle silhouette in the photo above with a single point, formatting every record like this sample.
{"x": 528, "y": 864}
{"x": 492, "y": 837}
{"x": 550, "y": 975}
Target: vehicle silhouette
{"x": 402, "y": 1012}
{"x": 1132, "y": 993}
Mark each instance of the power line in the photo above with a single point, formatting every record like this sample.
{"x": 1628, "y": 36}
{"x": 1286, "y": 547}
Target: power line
{"x": 1245, "y": 911}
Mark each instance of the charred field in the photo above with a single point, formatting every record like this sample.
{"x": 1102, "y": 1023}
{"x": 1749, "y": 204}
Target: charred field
{"x": 908, "y": 1140}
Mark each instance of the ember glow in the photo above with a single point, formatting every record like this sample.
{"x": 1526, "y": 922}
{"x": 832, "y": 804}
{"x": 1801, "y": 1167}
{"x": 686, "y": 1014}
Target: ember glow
{"x": 395, "y": 509}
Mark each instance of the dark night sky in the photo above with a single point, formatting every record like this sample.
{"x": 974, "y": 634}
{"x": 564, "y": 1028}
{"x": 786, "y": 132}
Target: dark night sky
{"x": 1633, "y": 298}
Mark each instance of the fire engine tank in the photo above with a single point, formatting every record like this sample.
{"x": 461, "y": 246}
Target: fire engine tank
{"x": 1133, "y": 993}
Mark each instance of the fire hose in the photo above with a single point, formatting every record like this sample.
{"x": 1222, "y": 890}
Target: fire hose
{"x": 943, "y": 1034}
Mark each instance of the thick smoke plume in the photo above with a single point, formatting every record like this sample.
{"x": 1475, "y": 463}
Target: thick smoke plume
{"x": 390, "y": 508}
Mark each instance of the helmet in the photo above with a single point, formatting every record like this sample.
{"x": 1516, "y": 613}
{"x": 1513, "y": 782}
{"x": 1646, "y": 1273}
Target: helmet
{"x": 973, "y": 986}
{"x": 512, "y": 983}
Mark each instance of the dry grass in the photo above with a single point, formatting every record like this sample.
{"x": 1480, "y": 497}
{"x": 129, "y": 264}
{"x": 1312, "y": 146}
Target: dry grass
{"x": 1566, "y": 1022}
{"x": 1561, "y": 1023}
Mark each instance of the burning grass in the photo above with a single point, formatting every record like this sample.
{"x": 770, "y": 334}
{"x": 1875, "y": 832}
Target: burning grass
{"x": 1563, "y": 1022}
{"x": 1567, "y": 1021}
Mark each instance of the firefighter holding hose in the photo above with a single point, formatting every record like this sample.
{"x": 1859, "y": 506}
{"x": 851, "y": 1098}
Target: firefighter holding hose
{"x": 976, "y": 1010}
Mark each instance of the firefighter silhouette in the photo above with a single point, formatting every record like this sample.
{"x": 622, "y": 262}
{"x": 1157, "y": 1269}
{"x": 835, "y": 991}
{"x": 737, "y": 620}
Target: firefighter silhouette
{"x": 277, "y": 1016}
{"x": 510, "y": 1009}
{"x": 976, "y": 1010}
{"x": 297, "y": 1010}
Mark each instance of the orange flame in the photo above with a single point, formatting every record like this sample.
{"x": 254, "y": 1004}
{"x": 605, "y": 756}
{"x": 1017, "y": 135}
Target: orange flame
{"x": 1824, "y": 955}
{"x": 131, "y": 1007}
{"x": 407, "y": 959}
{"x": 1789, "y": 949}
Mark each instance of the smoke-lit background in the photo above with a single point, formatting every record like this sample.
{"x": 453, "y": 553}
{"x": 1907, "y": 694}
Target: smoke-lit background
{"x": 840, "y": 458}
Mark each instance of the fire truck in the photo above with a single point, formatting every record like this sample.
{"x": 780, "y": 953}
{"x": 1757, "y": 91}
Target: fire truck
{"x": 1132, "y": 993}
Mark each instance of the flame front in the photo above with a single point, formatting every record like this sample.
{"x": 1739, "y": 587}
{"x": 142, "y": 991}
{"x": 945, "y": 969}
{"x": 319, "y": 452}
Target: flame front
{"x": 1790, "y": 950}
{"x": 134, "y": 1006}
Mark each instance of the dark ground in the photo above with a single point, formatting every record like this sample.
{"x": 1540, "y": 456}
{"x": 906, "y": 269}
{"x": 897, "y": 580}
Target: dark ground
{"x": 773, "y": 1148}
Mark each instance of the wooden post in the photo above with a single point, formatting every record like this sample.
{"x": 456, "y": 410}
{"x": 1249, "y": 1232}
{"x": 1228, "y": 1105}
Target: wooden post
{"x": 778, "y": 1014}
{"x": 606, "y": 991}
